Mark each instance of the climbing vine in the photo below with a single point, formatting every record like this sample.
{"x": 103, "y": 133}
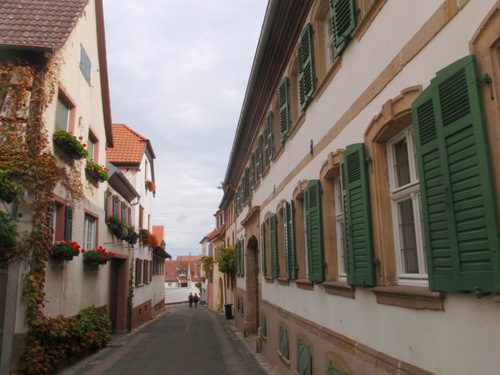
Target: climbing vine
{"x": 29, "y": 168}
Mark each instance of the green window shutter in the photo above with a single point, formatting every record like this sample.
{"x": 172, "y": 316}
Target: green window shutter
{"x": 62, "y": 115}
{"x": 273, "y": 235}
{"x": 284, "y": 343}
{"x": 343, "y": 19}
{"x": 263, "y": 248}
{"x": 237, "y": 250}
{"x": 307, "y": 80}
{"x": 357, "y": 218}
{"x": 247, "y": 182}
{"x": 124, "y": 212}
{"x": 289, "y": 226}
{"x": 259, "y": 158}
{"x": 269, "y": 141}
{"x": 116, "y": 205}
{"x": 334, "y": 371}
{"x": 263, "y": 325}
{"x": 304, "y": 360}
{"x": 314, "y": 232}
{"x": 284, "y": 107}
{"x": 252, "y": 173}
{"x": 242, "y": 257}
{"x": 459, "y": 205}
{"x": 68, "y": 223}
{"x": 106, "y": 204}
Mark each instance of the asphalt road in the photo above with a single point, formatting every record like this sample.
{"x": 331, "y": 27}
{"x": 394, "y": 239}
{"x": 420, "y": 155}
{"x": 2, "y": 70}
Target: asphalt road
{"x": 181, "y": 341}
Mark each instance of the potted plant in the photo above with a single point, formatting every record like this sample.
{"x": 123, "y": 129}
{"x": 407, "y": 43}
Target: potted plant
{"x": 65, "y": 250}
{"x": 116, "y": 227}
{"x": 148, "y": 239}
{"x": 70, "y": 145}
{"x": 96, "y": 172}
{"x": 96, "y": 257}
{"x": 132, "y": 235}
{"x": 150, "y": 185}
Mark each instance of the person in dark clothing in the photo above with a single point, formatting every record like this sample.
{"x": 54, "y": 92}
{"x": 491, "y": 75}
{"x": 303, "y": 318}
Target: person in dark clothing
{"x": 190, "y": 298}
{"x": 196, "y": 299}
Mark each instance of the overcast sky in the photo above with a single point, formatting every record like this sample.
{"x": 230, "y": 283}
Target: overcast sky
{"x": 178, "y": 71}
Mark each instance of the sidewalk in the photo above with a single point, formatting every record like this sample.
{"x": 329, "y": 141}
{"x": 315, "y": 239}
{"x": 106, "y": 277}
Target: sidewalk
{"x": 249, "y": 343}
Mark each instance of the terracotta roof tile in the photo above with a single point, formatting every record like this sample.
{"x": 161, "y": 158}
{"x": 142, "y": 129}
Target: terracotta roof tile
{"x": 38, "y": 23}
{"x": 129, "y": 145}
{"x": 215, "y": 232}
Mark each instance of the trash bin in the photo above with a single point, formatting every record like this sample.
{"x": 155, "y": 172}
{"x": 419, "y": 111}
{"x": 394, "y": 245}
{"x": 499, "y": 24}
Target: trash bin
{"x": 229, "y": 310}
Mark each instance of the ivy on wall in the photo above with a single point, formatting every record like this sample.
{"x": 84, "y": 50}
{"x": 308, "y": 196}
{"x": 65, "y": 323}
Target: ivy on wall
{"x": 29, "y": 174}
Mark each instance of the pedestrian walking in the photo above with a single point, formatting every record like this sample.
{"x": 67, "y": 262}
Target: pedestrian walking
{"x": 191, "y": 298}
{"x": 196, "y": 299}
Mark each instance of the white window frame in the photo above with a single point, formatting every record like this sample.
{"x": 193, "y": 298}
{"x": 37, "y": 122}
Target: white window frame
{"x": 400, "y": 194}
{"x": 89, "y": 232}
{"x": 329, "y": 42}
{"x": 339, "y": 227}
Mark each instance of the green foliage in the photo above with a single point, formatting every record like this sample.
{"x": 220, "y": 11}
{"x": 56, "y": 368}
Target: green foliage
{"x": 9, "y": 190}
{"x": 70, "y": 145}
{"x": 227, "y": 260}
{"x": 132, "y": 235}
{"x": 57, "y": 339}
{"x": 32, "y": 171}
{"x": 116, "y": 227}
{"x": 148, "y": 239}
{"x": 130, "y": 298}
{"x": 7, "y": 232}
{"x": 97, "y": 171}
{"x": 198, "y": 285}
{"x": 65, "y": 250}
{"x": 206, "y": 263}
{"x": 98, "y": 256}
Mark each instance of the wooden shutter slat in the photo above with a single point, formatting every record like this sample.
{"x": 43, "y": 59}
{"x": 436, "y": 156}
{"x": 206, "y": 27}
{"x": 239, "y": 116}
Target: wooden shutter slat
{"x": 263, "y": 248}
{"x": 289, "y": 227}
{"x": 314, "y": 231}
{"x": 307, "y": 80}
{"x": 284, "y": 108}
{"x": 459, "y": 205}
{"x": 343, "y": 21}
{"x": 273, "y": 235}
{"x": 68, "y": 223}
{"x": 357, "y": 218}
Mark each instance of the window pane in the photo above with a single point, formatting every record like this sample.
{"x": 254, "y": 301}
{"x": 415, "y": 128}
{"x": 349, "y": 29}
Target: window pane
{"x": 62, "y": 115}
{"x": 90, "y": 232}
{"x": 330, "y": 56}
{"x": 407, "y": 237}
{"x": 401, "y": 163}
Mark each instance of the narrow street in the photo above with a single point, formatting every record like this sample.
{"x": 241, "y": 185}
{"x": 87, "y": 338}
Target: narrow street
{"x": 182, "y": 340}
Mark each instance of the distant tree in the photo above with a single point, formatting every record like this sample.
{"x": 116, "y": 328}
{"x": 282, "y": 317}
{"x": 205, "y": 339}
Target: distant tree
{"x": 227, "y": 264}
{"x": 227, "y": 261}
{"x": 206, "y": 264}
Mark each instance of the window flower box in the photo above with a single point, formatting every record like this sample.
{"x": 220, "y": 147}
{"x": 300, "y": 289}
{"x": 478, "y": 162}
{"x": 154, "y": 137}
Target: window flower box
{"x": 96, "y": 172}
{"x": 69, "y": 145}
{"x": 97, "y": 257}
{"x": 150, "y": 186}
{"x": 116, "y": 227}
{"x": 65, "y": 250}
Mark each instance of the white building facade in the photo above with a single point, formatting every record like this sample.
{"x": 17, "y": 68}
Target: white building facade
{"x": 365, "y": 180}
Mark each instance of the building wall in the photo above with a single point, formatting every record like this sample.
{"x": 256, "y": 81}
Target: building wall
{"x": 69, "y": 287}
{"x": 386, "y": 329}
